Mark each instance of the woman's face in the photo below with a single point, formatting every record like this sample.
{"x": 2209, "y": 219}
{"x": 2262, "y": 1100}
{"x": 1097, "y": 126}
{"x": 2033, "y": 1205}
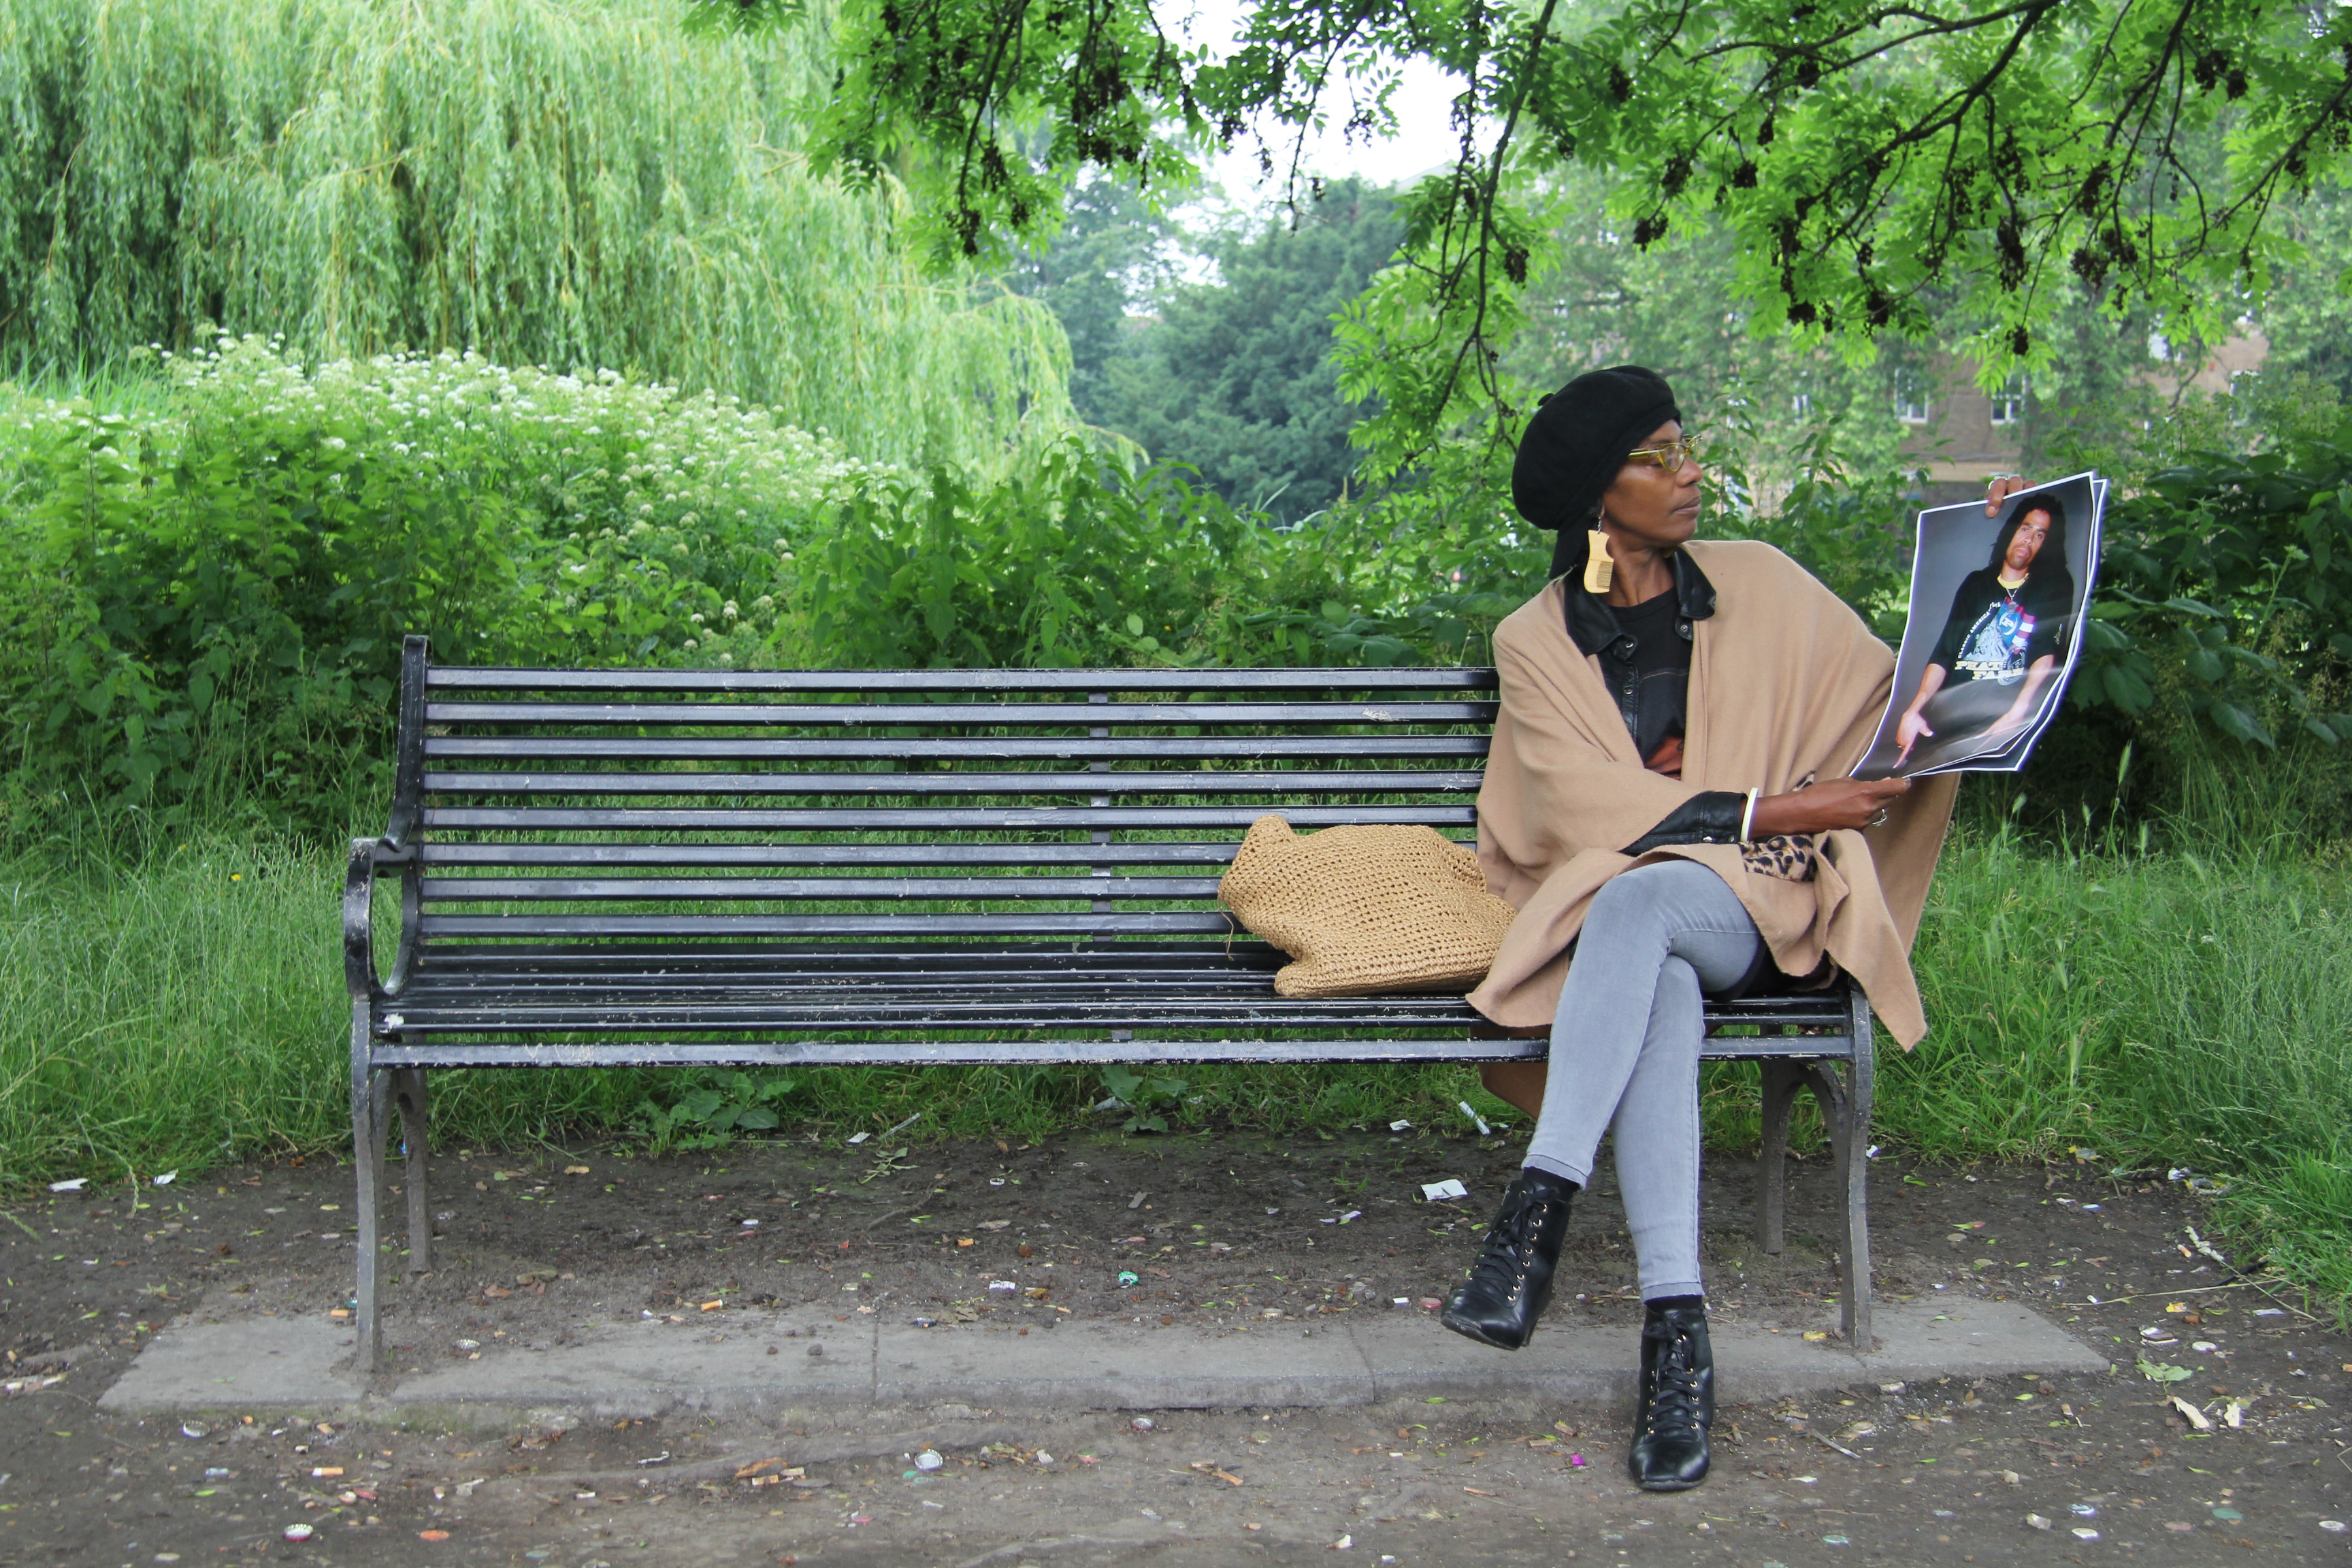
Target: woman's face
{"x": 1653, "y": 506}
{"x": 2026, "y": 542}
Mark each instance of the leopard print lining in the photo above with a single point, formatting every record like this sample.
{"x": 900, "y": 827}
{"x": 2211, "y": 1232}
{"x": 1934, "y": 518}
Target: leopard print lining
{"x": 1787, "y": 855}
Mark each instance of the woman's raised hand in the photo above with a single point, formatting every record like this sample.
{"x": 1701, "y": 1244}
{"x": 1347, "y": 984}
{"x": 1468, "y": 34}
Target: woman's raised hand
{"x": 1826, "y": 808}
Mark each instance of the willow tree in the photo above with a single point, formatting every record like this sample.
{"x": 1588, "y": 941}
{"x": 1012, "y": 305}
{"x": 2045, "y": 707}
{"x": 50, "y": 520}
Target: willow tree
{"x": 575, "y": 184}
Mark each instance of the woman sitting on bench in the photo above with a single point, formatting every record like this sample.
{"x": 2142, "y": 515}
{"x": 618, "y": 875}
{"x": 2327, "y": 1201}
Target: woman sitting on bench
{"x": 1666, "y": 806}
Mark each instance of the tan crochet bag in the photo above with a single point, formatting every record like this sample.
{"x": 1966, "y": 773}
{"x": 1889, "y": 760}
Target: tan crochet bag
{"x": 1366, "y": 910}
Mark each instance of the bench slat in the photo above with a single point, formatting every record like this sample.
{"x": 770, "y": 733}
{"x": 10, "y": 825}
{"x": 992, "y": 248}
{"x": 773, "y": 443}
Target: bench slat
{"x": 1382, "y": 780}
{"x": 1238, "y": 951}
{"x": 858, "y": 1014}
{"x": 661, "y": 819}
{"x": 734, "y": 855}
{"x": 443, "y": 677}
{"x": 1005, "y": 1053}
{"x": 432, "y": 927}
{"x": 977, "y": 748}
{"x": 469, "y": 889}
{"x": 928, "y": 715}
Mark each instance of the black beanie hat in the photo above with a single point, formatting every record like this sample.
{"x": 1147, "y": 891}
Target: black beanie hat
{"x": 1577, "y": 442}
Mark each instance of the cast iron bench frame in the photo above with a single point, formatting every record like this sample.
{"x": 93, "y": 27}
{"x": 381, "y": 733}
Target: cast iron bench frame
{"x": 530, "y": 792}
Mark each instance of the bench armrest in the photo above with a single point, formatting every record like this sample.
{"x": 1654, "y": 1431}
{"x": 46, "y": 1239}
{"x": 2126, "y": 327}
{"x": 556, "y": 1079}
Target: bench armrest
{"x": 369, "y": 857}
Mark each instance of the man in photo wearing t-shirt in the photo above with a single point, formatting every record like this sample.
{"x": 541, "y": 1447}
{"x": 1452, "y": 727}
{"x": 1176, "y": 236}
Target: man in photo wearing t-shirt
{"x": 2001, "y": 641}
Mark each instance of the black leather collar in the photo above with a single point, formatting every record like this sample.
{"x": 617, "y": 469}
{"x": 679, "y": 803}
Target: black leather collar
{"x": 1593, "y": 627}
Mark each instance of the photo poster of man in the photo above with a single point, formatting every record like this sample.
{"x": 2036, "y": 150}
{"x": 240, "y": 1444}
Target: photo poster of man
{"x": 1995, "y": 606}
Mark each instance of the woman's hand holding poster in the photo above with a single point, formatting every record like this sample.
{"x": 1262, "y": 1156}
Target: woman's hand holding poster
{"x": 1997, "y": 606}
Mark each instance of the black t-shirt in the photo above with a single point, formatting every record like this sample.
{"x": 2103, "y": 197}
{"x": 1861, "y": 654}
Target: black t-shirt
{"x": 1995, "y": 635}
{"x": 1651, "y": 678}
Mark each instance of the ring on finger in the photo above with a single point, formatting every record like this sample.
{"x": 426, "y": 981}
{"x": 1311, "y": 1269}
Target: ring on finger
{"x": 1878, "y": 817}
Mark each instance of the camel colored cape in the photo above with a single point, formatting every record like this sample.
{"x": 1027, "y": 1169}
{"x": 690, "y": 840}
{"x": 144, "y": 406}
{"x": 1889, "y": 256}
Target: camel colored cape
{"x": 1787, "y": 684}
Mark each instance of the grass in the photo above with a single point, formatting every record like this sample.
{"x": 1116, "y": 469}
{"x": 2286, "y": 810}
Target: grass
{"x": 2154, "y": 1008}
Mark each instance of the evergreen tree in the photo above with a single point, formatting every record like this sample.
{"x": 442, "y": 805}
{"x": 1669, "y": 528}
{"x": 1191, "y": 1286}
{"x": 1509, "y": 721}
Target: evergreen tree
{"x": 2304, "y": 316}
{"x": 1237, "y": 377}
{"x": 1111, "y": 255}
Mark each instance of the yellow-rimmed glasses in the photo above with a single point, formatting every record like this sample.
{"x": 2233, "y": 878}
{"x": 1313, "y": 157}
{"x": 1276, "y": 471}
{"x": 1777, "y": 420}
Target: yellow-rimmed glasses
{"x": 1668, "y": 455}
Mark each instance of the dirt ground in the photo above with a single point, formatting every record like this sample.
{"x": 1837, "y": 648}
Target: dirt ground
{"x": 1221, "y": 1231}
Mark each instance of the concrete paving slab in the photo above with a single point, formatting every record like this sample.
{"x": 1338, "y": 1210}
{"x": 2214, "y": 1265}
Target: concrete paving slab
{"x": 1120, "y": 1366}
{"x": 1962, "y": 1338}
{"x": 273, "y": 1362}
{"x": 647, "y": 1368}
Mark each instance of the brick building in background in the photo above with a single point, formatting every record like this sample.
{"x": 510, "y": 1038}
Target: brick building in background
{"x": 1963, "y": 436}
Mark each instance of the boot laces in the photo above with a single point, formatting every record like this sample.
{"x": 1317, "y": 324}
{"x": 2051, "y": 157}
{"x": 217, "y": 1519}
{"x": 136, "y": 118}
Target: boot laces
{"x": 1674, "y": 1401}
{"x": 1500, "y": 1262}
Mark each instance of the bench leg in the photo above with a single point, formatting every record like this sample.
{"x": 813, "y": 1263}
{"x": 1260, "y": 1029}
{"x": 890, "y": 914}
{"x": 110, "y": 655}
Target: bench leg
{"x": 371, "y": 1123}
{"x": 1846, "y": 1107}
{"x": 1854, "y": 1181}
{"x": 1782, "y": 1081}
{"x": 408, "y": 1093}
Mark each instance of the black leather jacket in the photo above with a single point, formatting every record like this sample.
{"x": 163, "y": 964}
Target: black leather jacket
{"x": 1711, "y": 816}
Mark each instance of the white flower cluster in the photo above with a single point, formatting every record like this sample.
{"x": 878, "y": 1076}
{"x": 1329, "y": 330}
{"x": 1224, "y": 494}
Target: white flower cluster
{"x": 632, "y": 503}
{"x": 630, "y": 450}
{"x": 27, "y": 422}
{"x": 601, "y": 443}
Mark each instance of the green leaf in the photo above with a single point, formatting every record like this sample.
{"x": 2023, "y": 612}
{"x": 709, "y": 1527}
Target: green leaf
{"x": 2239, "y": 725}
{"x": 2160, "y": 1372}
{"x": 2126, "y": 690}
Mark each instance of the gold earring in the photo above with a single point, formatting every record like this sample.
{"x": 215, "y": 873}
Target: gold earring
{"x": 1599, "y": 569}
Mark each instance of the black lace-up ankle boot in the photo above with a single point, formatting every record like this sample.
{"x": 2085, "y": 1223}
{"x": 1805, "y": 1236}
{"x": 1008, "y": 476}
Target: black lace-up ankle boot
{"x": 1670, "y": 1453}
{"x": 1508, "y": 1287}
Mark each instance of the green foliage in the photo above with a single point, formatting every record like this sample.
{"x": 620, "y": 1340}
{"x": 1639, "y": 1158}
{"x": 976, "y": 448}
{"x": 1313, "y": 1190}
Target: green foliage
{"x": 2227, "y": 589}
{"x": 1075, "y": 563}
{"x": 1238, "y": 378}
{"x": 571, "y": 185}
{"x": 1086, "y": 563}
{"x": 2303, "y": 319}
{"x": 709, "y": 1109}
{"x": 1775, "y": 407}
{"x": 1873, "y": 164}
{"x": 1109, "y": 257}
{"x": 1147, "y": 1100}
{"x": 1844, "y": 527}
{"x": 202, "y": 603}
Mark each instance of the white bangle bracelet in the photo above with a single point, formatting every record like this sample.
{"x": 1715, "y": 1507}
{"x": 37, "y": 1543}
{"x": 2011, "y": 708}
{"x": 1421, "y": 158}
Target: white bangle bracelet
{"x": 1747, "y": 817}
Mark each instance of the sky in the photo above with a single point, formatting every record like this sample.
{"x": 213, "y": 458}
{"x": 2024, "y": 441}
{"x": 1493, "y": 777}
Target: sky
{"x": 1422, "y": 102}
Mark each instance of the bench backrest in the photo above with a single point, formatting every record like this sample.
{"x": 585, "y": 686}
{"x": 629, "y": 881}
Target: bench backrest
{"x": 700, "y": 806}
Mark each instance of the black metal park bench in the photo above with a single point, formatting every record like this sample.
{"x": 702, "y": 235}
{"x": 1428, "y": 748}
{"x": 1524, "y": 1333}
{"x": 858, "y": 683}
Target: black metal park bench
{"x": 640, "y": 868}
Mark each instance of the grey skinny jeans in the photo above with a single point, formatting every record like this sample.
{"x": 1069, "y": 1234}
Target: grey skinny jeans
{"x": 1624, "y": 1052}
